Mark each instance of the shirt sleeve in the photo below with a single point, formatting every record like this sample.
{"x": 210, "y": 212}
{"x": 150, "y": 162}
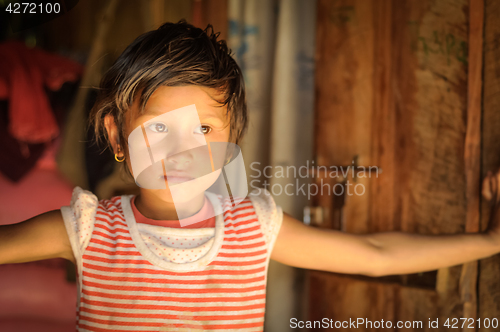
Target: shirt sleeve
{"x": 269, "y": 214}
{"x": 79, "y": 219}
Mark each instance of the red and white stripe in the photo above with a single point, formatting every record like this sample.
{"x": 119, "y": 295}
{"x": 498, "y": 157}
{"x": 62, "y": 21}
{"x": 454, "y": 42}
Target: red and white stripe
{"x": 122, "y": 291}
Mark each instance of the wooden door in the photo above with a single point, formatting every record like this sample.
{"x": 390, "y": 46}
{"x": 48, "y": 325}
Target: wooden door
{"x": 398, "y": 84}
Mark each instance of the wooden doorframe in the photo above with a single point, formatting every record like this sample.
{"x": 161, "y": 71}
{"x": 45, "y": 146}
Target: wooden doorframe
{"x": 472, "y": 155}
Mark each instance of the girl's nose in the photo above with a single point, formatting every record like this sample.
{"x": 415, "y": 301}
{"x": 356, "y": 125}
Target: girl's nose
{"x": 181, "y": 160}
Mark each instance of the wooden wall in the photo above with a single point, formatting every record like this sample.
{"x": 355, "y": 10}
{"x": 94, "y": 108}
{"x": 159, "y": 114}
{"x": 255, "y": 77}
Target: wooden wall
{"x": 392, "y": 88}
{"x": 76, "y": 30}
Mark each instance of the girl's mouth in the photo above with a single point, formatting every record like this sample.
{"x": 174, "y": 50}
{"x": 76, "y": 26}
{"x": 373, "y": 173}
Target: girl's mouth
{"x": 176, "y": 178}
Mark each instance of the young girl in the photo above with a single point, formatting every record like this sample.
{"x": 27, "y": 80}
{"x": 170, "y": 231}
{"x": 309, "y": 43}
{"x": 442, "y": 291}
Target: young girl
{"x": 186, "y": 259}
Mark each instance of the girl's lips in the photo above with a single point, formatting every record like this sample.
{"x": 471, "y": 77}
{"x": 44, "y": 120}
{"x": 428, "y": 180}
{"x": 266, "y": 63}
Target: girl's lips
{"x": 176, "y": 178}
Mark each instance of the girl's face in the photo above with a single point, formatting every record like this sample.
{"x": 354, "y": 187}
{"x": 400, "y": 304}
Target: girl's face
{"x": 169, "y": 143}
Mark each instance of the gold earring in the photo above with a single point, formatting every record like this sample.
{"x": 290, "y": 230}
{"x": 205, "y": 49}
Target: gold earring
{"x": 119, "y": 160}
{"x": 228, "y": 160}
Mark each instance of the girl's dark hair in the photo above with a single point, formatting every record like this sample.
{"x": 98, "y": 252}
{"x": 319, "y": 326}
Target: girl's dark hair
{"x": 173, "y": 55}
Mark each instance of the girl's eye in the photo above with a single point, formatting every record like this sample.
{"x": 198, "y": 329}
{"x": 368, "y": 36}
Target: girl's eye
{"x": 203, "y": 129}
{"x": 158, "y": 127}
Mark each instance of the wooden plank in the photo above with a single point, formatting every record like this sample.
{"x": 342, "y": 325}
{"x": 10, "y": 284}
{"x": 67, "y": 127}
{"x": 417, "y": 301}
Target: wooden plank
{"x": 382, "y": 200}
{"x": 71, "y": 154}
{"x": 177, "y": 9}
{"x": 429, "y": 89}
{"x": 157, "y": 12}
{"x": 429, "y": 83}
{"x": 489, "y": 269}
{"x": 344, "y": 99}
{"x": 213, "y": 12}
{"x": 152, "y": 14}
{"x": 341, "y": 298}
{"x": 468, "y": 280}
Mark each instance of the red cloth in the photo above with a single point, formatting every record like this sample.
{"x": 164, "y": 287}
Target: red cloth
{"x": 23, "y": 74}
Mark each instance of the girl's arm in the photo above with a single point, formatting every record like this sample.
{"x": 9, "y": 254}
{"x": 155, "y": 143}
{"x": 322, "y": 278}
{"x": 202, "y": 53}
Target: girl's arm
{"x": 41, "y": 237}
{"x": 385, "y": 253}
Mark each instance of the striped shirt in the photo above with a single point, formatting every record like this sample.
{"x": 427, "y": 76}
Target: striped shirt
{"x": 125, "y": 285}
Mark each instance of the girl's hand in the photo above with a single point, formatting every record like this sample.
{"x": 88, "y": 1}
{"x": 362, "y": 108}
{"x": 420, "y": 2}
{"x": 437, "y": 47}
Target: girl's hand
{"x": 491, "y": 186}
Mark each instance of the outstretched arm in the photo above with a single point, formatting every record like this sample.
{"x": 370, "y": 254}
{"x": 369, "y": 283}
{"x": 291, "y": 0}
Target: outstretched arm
{"x": 41, "y": 237}
{"x": 387, "y": 253}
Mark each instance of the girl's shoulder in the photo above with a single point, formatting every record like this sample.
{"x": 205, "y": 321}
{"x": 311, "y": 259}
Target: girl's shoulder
{"x": 270, "y": 214}
{"x": 79, "y": 216}
{"x": 82, "y": 208}
{"x": 84, "y": 201}
{"x": 83, "y": 198}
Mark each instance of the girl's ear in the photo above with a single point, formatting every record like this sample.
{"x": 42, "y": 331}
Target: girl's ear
{"x": 112, "y": 130}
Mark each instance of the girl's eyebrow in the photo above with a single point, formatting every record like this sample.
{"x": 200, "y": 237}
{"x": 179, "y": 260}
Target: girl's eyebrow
{"x": 152, "y": 111}
{"x": 210, "y": 117}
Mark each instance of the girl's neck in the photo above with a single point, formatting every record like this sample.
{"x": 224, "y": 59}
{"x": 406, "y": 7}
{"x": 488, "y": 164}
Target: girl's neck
{"x": 153, "y": 207}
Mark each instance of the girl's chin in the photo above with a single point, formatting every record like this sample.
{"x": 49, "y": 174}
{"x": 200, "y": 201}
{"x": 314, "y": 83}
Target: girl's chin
{"x": 181, "y": 196}
{"x": 162, "y": 194}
